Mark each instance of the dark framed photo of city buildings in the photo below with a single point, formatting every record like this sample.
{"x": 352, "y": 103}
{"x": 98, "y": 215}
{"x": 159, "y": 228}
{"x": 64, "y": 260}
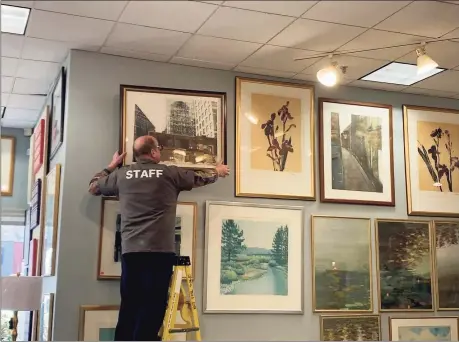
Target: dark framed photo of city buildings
{"x": 190, "y": 125}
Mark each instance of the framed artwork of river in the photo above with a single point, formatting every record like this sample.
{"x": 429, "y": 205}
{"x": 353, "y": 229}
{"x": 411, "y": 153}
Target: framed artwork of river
{"x": 356, "y": 157}
{"x": 253, "y": 259}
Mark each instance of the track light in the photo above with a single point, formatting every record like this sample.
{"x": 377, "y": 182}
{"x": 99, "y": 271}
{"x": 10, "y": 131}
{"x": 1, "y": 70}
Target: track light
{"x": 328, "y": 76}
{"x": 424, "y": 62}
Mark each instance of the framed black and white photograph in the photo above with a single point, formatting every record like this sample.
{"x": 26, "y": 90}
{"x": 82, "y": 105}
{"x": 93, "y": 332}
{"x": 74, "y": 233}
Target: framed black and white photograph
{"x": 190, "y": 125}
{"x": 56, "y": 127}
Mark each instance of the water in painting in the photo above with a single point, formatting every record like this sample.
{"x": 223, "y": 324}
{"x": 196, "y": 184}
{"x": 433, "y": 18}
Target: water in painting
{"x": 106, "y": 334}
{"x": 420, "y": 333}
{"x": 254, "y": 258}
{"x": 358, "y": 328}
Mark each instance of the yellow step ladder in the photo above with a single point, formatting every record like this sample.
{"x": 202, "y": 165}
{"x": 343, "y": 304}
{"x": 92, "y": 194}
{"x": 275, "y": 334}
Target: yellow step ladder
{"x": 178, "y": 304}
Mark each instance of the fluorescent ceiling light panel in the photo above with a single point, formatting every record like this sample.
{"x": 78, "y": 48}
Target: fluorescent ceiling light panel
{"x": 14, "y": 19}
{"x": 399, "y": 73}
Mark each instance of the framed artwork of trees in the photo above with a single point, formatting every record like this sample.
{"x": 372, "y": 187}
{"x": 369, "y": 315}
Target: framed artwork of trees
{"x": 404, "y": 265}
{"x": 350, "y": 328}
{"x": 253, "y": 260}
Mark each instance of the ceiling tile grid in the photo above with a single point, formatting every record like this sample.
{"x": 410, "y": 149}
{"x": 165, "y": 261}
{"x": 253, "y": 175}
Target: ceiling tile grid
{"x": 257, "y": 37}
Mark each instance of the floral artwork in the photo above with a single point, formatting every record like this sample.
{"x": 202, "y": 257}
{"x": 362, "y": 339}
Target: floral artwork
{"x": 280, "y": 144}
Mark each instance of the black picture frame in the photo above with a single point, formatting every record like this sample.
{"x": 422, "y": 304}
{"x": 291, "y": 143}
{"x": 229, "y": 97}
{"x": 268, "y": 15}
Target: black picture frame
{"x": 27, "y": 237}
{"x": 57, "y": 114}
{"x": 35, "y": 205}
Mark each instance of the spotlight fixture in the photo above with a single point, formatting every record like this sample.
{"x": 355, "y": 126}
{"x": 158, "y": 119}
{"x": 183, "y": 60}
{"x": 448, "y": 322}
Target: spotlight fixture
{"x": 424, "y": 63}
{"x": 328, "y": 76}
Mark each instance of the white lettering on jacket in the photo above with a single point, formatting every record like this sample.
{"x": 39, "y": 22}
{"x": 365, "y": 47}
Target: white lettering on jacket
{"x": 143, "y": 173}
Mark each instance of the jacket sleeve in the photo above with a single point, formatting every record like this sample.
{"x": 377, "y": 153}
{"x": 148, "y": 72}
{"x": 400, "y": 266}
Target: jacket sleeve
{"x": 189, "y": 179}
{"x": 104, "y": 183}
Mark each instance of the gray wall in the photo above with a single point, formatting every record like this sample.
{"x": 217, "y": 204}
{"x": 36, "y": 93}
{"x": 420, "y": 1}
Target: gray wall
{"x": 21, "y": 167}
{"x": 92, "y": 137}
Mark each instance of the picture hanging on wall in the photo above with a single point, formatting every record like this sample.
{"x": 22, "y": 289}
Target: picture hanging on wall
{"x": 447, "y": 265}
{"x": 98, "y": 322}
{"x": 341, "y": 264}
{"x": 404, "y": 265}
{"x": 35, "y": 204}
{"x": 46, "y": 318}
{"x": 109, "y": 261}
{"x": 274, "y": 140}
{"x": 56, "y": 130}
{"x": 189, "y": 125}
{"x": 432, "y": 160}
{"x": 350, "y": 328}
{"x": 356, "y": 155}
{"x": 7, "y": 171}
{"x": 27, "y": 237}
{"x": 423, "y": 329}
{"x": 39, "y": 144}
{"x": 50, "y": 232}
{"x": 254, "y": 258}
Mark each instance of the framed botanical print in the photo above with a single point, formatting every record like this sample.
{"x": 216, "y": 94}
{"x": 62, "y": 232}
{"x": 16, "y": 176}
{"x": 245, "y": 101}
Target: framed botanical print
{"x": 109, "y": 261}
{"x": 446, "y": 265}
{"x": 52, "y": 190}
{"x": 431, "y": 160}
{"x": 189, "y": 125}
{"x": 423, "y": 329}
{"x": 254, "y": 258}
{"x": 56, "y": 129}
{"x": 356, "y": 156}
{"x": 341, "y": 264}
{"x": 404, "y": 265}
{"x": 274, "y": 140}
{"x": 7, "y": 168}
{"x": 46, "y": 318}
{"x": 350, "y": 328}
{"x": 98, "y": 322}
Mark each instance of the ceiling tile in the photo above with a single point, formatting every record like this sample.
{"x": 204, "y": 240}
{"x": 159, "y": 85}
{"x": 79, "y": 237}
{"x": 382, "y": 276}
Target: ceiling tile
{"x": 251, "y": 26}
{"x": 265, "y": 72}
{"x": 7, "y": 84}
{"x": 21, "y": 114}
{"x": 28, "y": 86}
{"x": 377, "y": 85}
{"x": 423, "y": 18}
{"x": 429, "y": 92}
{"x": 185, "y": 16}
{"x": 146, "y": 39}
{"x": 5, "y": 98}
{"x": 313, "y": 78}
{"x": 37, "y": 70}
{"x": 374, "y": 39}
{"x": 357, "y": 13}
{"x": 217, "y": 49}
{"x": 135, "y": 54}
{"x": 446, "y": 54}
{"x": 279, "y": 58}
{"x": 9, "y": 66}
{"x": 316, "y": 35}
{"x": 213, "y": 2}
{"x": 453, "y": 35}
{"x": 290, "y": 8}
{"x": 202, "y": 64}
{"x": 26, "y": 101}
{"x": 92, "y": 9}
{"x": 12, "y": 45}
{"x": 68, "y": 28}
{"x": 444, "y": 81}
{"x": 7, "y": 123}
{"x": 356, "y": 66}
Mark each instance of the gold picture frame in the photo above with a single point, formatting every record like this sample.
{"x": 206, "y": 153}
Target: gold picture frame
{"x": 366, "y": 225}
{"x": 8, "y": 156}
{"x": 367, "y": 317}
{"x": 424, "y": 328}
{"x": 86, "y": 310}
{"x": 298, "y": 180}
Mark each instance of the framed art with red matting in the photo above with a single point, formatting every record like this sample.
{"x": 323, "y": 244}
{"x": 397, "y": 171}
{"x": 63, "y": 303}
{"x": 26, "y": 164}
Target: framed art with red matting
{"x": 38, "y": 149}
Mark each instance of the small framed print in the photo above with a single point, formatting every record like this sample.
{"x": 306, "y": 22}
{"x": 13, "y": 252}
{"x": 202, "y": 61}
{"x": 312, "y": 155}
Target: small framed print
{"x": 46, "y": 318}
{"x": 98, "y": 322}
{"x": 7, "y": 167}
{"x": 56, "y": 129}
{"x": 350, "y": 328}
{"x": 423, "y": 329}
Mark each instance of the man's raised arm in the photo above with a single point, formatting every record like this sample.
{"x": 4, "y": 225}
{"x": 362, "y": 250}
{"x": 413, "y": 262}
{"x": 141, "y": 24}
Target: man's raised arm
{"x": 105, "y": 182}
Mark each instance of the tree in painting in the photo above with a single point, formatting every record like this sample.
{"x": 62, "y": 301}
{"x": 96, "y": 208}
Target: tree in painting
{"x": 350, "y": 328}
{"x": 404, "y": 265}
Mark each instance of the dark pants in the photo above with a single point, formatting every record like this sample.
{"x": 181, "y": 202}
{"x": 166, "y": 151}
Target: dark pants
{"x": 145, "y": 279}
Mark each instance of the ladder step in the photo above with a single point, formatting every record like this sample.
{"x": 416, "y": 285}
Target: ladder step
{"x": 182, "y": 330}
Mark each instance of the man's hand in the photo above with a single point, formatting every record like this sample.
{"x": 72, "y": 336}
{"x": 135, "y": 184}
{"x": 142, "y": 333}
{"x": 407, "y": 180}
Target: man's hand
{"x": 222, "y": 170}
{"x": 117, "y": 159}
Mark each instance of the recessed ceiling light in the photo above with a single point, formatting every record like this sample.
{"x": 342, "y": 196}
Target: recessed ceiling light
{"x": 399, "y": 73}
{"x": 14, "y": 19}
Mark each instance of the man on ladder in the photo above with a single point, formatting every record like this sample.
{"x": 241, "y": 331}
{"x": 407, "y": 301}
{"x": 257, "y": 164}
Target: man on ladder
{"x": 147, "y": 193}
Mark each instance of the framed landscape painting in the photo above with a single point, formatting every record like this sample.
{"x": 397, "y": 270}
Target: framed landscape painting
{"x": 189, "y": 125}
{"x": 274, "y": 140}
{"x": 98, "y": 322}
{"x": 7, "y": 164}
{"x": 423, "y": 329}
{"x": 404, "y": 265}
{"x": 432, "y": 160}
{"x": 56, "y": 130}
{"x": 356, "y": 155}
{"x": 254, "y": 258}
{"x": 341, "y": 264}
{"x": 350, "y": 328}
{"x": 46, "y": 318}
{"x": 109, "y": 261}
{"x": 52, "y": 190}
{"x": 447, "y": 265}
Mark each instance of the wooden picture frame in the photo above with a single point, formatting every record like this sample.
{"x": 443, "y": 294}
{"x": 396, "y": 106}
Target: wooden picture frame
{"x": 57, "y": 115}
{"x": 266, "y": 112}
{"x": 178, "y": 119}
{"x": 40, "y": 143}
{"x": 45, "y": 328}
{"x": 89, "y": 315}
{"x": 423, "y": 328}
{"x": 356, "y": 152}
{"x": 8, "y": 164}
{"x": 331, "y": 327}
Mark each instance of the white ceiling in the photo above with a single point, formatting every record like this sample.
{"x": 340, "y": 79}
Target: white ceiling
{"x": 259, "y": 37}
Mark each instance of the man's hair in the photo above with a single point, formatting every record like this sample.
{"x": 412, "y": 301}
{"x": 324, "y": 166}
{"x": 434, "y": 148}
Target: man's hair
{"x": 144, "y": 149}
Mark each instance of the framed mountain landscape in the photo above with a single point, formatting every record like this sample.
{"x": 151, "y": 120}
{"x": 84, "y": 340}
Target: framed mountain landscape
{"x": 423, "y": 329}
{"x": 274, "y": 140}
{"x": 432, "y": 160}
{"x": 254, "y": 258}
{"x": 341, "y": 264}
{"x": 350, "y": 328}
{"x": 356, "y": 157}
